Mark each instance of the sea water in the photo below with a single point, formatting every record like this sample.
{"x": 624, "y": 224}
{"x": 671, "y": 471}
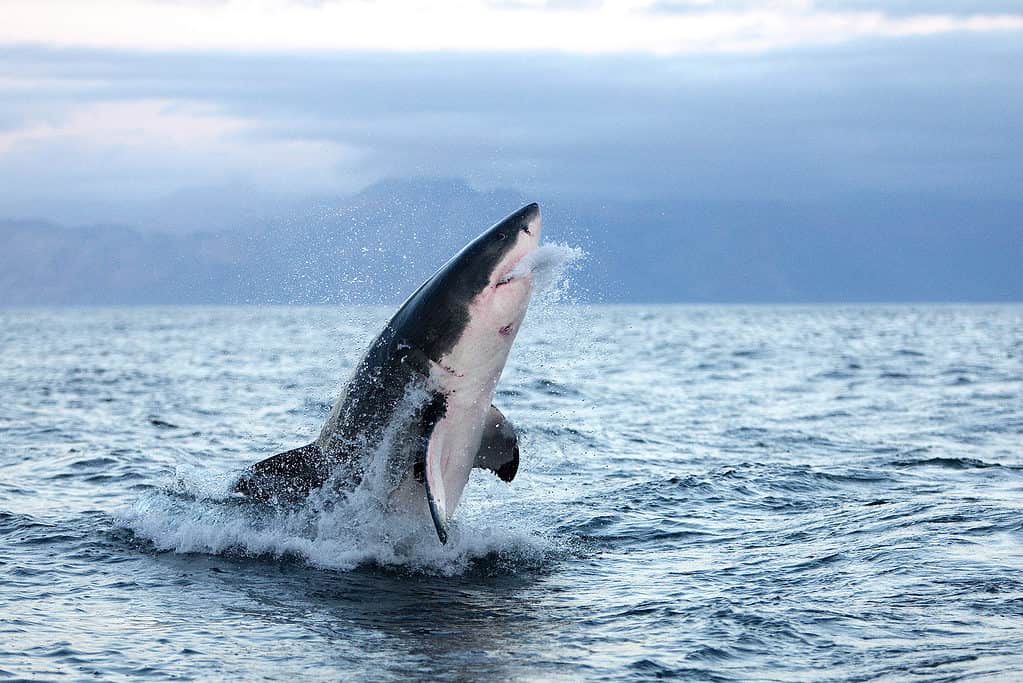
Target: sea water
{"x": 705, "y": 492}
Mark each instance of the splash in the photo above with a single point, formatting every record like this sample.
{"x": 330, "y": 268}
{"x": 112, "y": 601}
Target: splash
{"x": 376, "y": 523}
{"x": 548, "y": 264}
{"x": 340, "y": 533}
{"x": 335, "y": 528}
{"x": 342, "y": 530}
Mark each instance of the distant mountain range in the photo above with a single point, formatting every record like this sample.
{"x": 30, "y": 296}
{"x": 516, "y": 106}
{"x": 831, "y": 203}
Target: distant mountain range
{"x": 379, "y": 244}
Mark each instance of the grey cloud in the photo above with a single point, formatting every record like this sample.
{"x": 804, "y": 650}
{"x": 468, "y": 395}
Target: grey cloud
{"x": 934, "y": 115}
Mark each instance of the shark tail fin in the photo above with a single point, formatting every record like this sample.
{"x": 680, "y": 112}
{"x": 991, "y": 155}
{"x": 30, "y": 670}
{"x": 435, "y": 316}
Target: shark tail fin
{"x": 287, "y": 475}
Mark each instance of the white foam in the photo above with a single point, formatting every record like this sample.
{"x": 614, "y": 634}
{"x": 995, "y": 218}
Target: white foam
{"x": 335, "y": 532}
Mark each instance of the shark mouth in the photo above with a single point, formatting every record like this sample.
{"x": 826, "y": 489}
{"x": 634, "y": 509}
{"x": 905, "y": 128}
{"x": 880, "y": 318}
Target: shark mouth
{"x": 546, "y": 263}
{"x": 522, "y": 268}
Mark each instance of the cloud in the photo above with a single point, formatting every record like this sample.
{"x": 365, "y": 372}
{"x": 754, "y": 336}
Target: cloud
{"x": 891, "y": 8}
{"x": 123, "y": 149}
{"x": 956, "y": 8}
{"x": 610, "y": 27}
{"x": 727, "y": 6}
{"x": 941, "y": 115}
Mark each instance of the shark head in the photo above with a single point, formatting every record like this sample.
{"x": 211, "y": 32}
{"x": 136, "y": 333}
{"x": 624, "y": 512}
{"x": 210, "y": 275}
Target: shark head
{"x": 486, "y": 277}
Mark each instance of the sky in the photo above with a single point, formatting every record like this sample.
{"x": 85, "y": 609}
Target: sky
{"x": 108, "y": 107}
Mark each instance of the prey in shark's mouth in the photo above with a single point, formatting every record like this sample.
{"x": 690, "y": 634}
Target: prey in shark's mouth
{"x": 447, "y": 345}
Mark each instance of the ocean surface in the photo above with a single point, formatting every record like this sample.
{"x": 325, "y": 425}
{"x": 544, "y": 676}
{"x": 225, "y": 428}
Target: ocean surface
{"x": 718, "y": 493}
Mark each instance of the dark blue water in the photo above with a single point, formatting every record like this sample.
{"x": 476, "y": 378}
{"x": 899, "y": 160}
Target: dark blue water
{"x": 712, "y": 493}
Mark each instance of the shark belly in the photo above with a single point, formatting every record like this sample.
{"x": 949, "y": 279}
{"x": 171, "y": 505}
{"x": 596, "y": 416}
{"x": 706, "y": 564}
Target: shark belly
{"x": 467, "y": 377}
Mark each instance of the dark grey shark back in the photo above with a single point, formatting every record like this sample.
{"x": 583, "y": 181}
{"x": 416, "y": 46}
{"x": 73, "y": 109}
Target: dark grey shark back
{"x": 397, "y": 363}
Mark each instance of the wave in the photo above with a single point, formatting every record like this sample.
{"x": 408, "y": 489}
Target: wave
{"x": 196, "y": 513}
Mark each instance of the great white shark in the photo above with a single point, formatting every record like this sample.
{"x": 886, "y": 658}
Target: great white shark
{"x": 417, "y": 411}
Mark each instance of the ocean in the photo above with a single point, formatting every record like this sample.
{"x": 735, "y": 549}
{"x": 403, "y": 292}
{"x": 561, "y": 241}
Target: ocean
{"x": 711, "y": 493}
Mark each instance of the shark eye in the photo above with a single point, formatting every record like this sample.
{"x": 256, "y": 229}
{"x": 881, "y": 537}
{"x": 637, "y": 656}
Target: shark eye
{"x": 501, "y": 236}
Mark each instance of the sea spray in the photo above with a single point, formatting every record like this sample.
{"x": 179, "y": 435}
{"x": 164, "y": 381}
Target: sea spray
{"x": 342, "y": 529}
{"x": 548, "y": 264}
{"x": 349, "y": 533}
{"x": 334, "y": 528}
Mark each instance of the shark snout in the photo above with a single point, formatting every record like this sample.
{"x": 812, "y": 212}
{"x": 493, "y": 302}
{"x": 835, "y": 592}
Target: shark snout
{"x": 517, "y": 264}
{"x": 531, "y": 220}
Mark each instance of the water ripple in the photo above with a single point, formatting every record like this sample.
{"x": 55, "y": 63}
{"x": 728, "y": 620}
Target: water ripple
{"x": 706, "y": 493}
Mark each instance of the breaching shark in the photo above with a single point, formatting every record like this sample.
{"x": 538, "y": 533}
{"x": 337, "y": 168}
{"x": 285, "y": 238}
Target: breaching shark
{"x": 420, "y": 400}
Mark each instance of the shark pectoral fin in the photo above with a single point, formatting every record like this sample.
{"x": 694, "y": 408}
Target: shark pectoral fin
{"x": 433, "y": 480}
{"x": 289, "y": 474}
{"x": 440, "y": 521}
{"x": 430, "y": 462}
{"x": 499, "y": 447}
